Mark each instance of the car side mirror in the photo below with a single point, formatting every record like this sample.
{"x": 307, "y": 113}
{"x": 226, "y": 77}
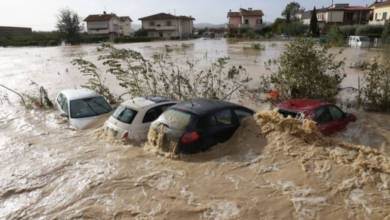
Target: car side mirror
{"x": 347, "y": 115}
{"x": 64, "y": 114}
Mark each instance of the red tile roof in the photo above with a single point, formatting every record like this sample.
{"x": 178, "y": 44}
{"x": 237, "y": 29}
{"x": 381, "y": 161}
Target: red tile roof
{"x": 244, "y": 12}
{"x": 101, "y": 17}
{"x": 123, "y": 18}
{"x": 165, "y": 16}
{"x": 357, "y": 8}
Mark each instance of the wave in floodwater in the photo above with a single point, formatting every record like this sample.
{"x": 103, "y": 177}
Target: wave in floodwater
{"x": 272, "y": 167}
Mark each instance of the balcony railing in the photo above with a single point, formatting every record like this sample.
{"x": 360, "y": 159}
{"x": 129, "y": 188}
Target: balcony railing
{"x": 377, "y": 22}
{"x": 162, "y": 28}
{"x": 228, "y": 26}
{"x": 243, "y": 26}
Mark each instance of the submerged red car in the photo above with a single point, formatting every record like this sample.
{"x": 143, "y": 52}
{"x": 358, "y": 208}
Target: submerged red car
{"x": 329, "y": 117}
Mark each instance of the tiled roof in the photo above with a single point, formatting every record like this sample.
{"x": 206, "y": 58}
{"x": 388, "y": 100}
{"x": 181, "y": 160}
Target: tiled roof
{"x": 244, "y": 12}
{"x": 356, "y": 8}
{"x": 123, "y": 18}
{"x": 158, "y": 16}
{"x": 186, "y": 17}
{"x": 380, "y": 3}
{"x": 101, "y": 17}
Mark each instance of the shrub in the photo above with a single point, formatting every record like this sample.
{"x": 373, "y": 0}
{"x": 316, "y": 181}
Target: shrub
{"x": 373, "y": 30}
{"x": 386, "y": 32}
{"x": 134, "y": 39}
{"x": 348, "y": 30}
{"x": 53, "y": 43}
{"x": 335, "y": 36}
{"x": 306, "y": 71}
{"x": 376, "y": 85}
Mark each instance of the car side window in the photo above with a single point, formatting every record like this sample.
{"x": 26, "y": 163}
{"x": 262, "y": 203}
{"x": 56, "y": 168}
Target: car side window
{"x": 323, "y": 115}
{"x": 152, "y": 114}
{"x": 60, "y": 99}
{"x": 208, "y": 121}
{"x": 336, "y": 113}
{"x": 241, "y": 113}
{"x": 224, "y": 117}
{"x": 65, "y": 105}
{"x": 165, "y": 107}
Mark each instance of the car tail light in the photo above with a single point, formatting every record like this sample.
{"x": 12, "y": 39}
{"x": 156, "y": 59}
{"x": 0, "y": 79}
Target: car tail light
{"x": 190, "y": 137}
{"x": 126, "y": 134}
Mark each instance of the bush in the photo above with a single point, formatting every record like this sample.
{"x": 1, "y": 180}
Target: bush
{"x": 306, "y": 71}
{"x": 376, "y": 85}
{"x": 373, "y": 30}
{"x": 134, "y": 39}
{"x": 348, "y": 30}
{"x": 297, "y": 29}
{"x": 335, "y": 36}
{"x": 386, "y": 32}
{"x": 52, "y": 43}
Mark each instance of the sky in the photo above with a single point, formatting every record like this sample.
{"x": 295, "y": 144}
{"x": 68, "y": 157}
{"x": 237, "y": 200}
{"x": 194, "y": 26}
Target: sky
{"x": 40, "y": 15}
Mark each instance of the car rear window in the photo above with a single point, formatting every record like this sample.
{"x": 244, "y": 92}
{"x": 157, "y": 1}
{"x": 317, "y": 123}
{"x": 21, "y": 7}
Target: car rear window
{"x": 89, "y": 107}
{"x": 177, "y": 120}
{"x": 125, "y": 115}
{"x": 287, "y": 113}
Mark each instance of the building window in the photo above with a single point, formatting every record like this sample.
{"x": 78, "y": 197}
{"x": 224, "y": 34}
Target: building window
{"x": 152, "y": 24}
{"x": 246, "y": 21}
{"x": 259, "y": 21}
{"x": 376, "y": 16}
{"x": 384, "y": 16}
{"x": 168, "y": 23}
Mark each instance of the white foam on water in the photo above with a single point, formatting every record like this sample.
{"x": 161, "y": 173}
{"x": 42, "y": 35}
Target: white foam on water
{"x": 222, "y": 211}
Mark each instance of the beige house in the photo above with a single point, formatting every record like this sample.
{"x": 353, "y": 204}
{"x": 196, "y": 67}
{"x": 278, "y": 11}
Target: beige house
{"x": 108, "y": 25}
{"x": 244, "y": 19}
{"x": 167, "y": 25}
{"x": 381, "y": 12}
{"x": 125, "y": 26}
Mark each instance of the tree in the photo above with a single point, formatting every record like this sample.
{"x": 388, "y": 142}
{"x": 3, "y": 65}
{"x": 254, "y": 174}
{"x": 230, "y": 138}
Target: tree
{"x": 278, "y": 25}
{"x": 313, "y": 21}
{"x": 386, "y": 32}
{"x": 335, "y": 36}
{"x": 141, "y": 32}
{"x": 291, "y": 12}
{"x": 69, "y": 26}
{"x": 306, "y": 71}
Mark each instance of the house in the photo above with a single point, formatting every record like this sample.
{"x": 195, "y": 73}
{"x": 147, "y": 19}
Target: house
{"x": 167, "y": 25}
{"x": 381, "y": 12}
{"x": 341, "y": 14}
{"x": 244, "y": 20}
{"x": 107, "y": 25}
{"x": 125, "y": 25}
{"x": 15, "y": 29}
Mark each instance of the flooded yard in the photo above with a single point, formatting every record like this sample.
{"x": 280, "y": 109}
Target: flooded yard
{"x": 52, "y": 171}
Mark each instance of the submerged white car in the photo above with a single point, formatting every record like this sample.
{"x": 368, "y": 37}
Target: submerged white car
{"x": 359, "y": 41}
{"x": 133, "y": 117}
{"x": 81, "y": 106}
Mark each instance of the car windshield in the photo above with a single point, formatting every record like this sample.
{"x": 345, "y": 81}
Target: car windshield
{"x": 364, "y": 39}
{"x": 287, "y": 113}
{"x": 89, "y": 107}
{"x": 125, "y": 115}
{"x": 177, "y": 120}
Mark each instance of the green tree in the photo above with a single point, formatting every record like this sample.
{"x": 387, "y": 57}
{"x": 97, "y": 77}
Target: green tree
{"x": 306, "y": 71}
{"x": 69, "y": 26}
{"x": 386, "y": 32}
{"x": 291, "y": 11}
{"x": 141, "y": 33}
{"x": 335, "y": 36}
{"x": 278, "y": 25}
{"x": 314, "y": 21}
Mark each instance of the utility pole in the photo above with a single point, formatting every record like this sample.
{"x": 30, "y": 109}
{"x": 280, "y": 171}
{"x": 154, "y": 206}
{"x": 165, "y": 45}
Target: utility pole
{"x": 360, "y": 16}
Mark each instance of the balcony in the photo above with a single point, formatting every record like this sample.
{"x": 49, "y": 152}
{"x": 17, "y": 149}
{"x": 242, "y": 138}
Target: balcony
{"x": 259, "y": 26}
{"x": 243, "y": 26}
{"x": 105, "y": 31}
{"x": 165, "y": 28}
{"x": 377, "y": 22}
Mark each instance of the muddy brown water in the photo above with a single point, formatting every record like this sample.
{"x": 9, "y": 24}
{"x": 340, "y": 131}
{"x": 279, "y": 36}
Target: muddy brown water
{"x": 265, "y": 171}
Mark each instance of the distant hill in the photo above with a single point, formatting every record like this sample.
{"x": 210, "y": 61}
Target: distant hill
{"x": 209, "y": 25}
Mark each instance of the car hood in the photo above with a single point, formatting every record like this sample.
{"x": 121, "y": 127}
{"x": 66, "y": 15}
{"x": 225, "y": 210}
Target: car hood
{"x": 89, "y": 122}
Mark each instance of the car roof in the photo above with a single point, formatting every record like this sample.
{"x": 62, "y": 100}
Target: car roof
{"x": 203, "y": 107}
{"x": 139, "y": 103}
{"x": 301, "y": 105}
{"x": 82, "y": 93}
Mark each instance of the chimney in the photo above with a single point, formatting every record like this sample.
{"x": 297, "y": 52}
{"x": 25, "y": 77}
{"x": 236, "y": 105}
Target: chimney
{"x": 249, "y": 9}
{"x": 230, "y": 10}
{"x": 104, "y": 12}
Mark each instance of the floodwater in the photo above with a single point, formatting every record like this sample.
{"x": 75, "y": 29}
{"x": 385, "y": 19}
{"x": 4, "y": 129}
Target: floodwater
{"x": 272, "y": 168}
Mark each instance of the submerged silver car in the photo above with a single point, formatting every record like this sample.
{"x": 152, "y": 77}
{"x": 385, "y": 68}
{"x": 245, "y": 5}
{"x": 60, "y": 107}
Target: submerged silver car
{"x": 81, "y": 106}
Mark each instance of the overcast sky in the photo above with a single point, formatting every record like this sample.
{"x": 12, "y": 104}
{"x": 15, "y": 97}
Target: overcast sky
{"x": 40, "y": 15}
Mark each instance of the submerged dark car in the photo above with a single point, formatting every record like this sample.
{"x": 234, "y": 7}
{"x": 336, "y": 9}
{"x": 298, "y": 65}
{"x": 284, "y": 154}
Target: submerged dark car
{"x": 196, "y": 125}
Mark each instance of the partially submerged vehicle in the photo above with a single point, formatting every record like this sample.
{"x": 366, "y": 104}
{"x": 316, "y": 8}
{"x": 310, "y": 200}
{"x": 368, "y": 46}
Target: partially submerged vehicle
{"x": 196, "y": 125}
{"x": 81, "y": 106}
{"x": 359, "y": 41}
{"x": 329, "y": 117}
{"x": 132, "y": 119}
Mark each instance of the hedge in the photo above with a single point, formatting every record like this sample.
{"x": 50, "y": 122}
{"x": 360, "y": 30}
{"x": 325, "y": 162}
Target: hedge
{"x": 134, "y": 39}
